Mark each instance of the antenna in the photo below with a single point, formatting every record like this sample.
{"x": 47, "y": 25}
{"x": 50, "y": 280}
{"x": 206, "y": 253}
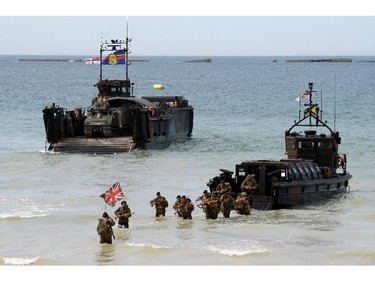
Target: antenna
{"x": 101, "y": 57}
{"x": 321, "y": 104}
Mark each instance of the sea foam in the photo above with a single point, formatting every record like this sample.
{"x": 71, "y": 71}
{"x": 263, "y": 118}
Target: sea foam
{"x": 19, "y": 261}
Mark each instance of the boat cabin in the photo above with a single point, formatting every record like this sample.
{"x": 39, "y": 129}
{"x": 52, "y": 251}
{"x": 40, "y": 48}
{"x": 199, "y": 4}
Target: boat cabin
{"x": 321, "y": 149}
{"x": 114, "y": 88}
{"x": 269, "y": 172}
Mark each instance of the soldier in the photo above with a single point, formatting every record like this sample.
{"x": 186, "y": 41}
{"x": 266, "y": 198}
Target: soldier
{"x": 123, "y": 213}
{"x": 224, "y": 187}
{"x": 160, "y": 204}
{"x": 249, "y": 184}
{"x": 227, "y": 204}
{"x": 177, "y": 206}
{"x": 95, "y": 99}
{"x": 211, "y": 207}
{"x": 242, "y": 205}
{"x": 187, "y": 209}
{"x": 204, "y": 196}
{"x": 104, "y": 229}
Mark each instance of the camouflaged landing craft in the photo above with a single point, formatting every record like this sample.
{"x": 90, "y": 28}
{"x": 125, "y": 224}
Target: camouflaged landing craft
{"x": 116, "y": 121}
{"x": 314, "y": 170}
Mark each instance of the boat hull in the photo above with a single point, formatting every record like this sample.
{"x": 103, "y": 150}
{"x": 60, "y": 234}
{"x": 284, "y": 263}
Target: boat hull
{"x": 298, "y": 193}
{"x": 137, "y": 129}
{"x": 94, "y": 145}
{"x": 282, "y": 184}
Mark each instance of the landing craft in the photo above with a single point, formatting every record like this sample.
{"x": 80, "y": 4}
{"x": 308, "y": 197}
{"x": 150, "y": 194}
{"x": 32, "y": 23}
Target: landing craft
{"x": 117, "y": 121}
{"x": 314, "y": 170}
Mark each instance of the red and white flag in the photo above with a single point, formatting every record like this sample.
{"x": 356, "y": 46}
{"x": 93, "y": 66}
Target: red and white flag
{"x": 303, "y": 95}
{"x": 113, "y": 194}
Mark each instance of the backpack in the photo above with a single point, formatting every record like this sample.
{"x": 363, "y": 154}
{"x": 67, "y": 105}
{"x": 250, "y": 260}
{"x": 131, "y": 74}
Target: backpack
{"x": 103, "y": 228}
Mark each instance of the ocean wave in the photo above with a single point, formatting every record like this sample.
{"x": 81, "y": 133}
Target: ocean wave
{"x": 238, "y": 250}
{"x": 148, "y": 245}
{"x": 26, "y": 215}
{"x": 19, "y": 261}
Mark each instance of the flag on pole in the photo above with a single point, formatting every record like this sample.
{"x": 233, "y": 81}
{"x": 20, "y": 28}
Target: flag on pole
{"x": 303, "y": 95}
{"x": 113, "y": 194}
{"x": 115, "y": 58}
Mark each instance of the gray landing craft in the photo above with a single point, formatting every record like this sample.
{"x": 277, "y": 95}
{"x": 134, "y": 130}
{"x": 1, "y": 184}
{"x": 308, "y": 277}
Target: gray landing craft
{"x": 314, "y": 170}
{"x": 117, "y": 121}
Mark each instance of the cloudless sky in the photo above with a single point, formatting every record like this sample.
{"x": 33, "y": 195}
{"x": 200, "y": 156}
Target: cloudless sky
{"x": 77, "y": 31}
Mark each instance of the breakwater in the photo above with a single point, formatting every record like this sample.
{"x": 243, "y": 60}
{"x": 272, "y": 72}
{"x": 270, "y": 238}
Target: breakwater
{"x": 69, "y": 60}
{"x": 51, "y": 60}
{"x": 322, "y": 60}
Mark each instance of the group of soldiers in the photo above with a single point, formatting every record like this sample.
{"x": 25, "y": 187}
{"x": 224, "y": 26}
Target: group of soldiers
{"x": 213, "y": 204}
{"x": 123, "y": 213}
{"x": 222, "y": 199}
{"x": 183, "y": 207}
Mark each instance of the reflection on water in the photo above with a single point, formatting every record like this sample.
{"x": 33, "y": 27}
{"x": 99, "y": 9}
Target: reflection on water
{"x": 185, "y": 224}
{"x": 105, "y": 256}
{"x": 122, "y": 234}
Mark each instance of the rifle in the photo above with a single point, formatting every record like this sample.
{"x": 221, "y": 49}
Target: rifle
{"x": 112, "y": 232}
{"x": 123, "y": 215}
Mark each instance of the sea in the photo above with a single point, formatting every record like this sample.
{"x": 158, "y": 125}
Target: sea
{"x": 50, "y": 202}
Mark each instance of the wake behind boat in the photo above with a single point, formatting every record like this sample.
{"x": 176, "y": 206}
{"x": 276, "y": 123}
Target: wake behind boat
{"x": 117, "y": 121}
{"x": 314, "y": 170}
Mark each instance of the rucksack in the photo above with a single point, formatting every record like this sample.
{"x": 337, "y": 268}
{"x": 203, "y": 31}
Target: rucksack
{"x": 103, "y": 228}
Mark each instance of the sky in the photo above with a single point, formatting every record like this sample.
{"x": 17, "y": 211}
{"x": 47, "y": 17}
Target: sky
{"x": 161, "y": 28}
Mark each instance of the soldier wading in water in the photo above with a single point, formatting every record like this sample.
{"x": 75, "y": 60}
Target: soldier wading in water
{"x": 104, "y": 229}
{"x": 177, "y": 205}
{"x": 160, "y": 204}
{"x": 123, "y": 213}
{"x": 187, "y": 209}
{"x": 242, "y": 204}
{"x": 210, "y": 205}
{"x": 184, "y": 207}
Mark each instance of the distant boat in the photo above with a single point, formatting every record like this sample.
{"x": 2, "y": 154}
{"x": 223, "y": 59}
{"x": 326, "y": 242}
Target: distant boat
{"x": 92, "y": 60}
{"x": 199, "y": 60}
{"x": 275, "y": 60}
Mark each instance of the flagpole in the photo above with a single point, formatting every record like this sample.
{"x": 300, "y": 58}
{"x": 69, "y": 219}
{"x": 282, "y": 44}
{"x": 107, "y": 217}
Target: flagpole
{"x": 300, "y": 108}
{"x": 126, "y": 50}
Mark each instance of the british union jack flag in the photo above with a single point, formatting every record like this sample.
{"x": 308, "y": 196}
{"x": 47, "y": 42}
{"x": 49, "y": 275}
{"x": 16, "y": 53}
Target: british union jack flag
{"x": 113, "y": 194}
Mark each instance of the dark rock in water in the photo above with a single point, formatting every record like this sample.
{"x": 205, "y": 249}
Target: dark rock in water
{"x": 200, "y": 60}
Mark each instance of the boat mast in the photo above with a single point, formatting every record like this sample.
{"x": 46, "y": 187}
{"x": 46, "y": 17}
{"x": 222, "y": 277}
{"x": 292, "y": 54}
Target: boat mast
{"x": 310, "y": 103}
{"x": 101, "y": 57}
{"x": 127, "y": 40}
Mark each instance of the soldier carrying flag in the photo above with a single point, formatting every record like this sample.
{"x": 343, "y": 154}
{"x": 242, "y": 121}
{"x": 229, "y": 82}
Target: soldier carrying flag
{"x": 104, "y": 228}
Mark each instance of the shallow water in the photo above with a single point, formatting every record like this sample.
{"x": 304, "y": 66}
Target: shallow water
{"x": 50, "y": 202}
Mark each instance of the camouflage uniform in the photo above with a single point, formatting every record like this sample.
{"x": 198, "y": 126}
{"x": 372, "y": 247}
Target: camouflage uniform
{"x": 177, "y": 204}
{"x": 211, "y": 207}
{"x": 186, "y": 209}
{"x": 105, "y": 224}
{"x": 123, "y": 213}
{"x": 160, "y": 204}
{"x": 249, "y": 184}
{"x": 204, "y": 196}
{"x": 224, "y": 187}
{"x": 242, "y": 204}
{"x": 227, "y": 204}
